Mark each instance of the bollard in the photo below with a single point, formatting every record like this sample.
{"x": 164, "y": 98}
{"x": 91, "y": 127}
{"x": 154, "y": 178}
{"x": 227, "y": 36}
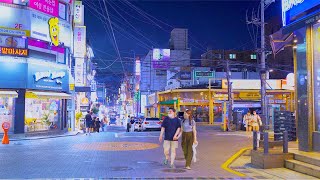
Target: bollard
{"x": 266, "y": 142}
{"x": 255, "y": 147}
{"x": 5, "y": 127}
{"x": 285, "y": 142}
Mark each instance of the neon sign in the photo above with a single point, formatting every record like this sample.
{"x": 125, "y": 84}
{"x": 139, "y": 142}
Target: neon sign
{"x": 14, "y": 51}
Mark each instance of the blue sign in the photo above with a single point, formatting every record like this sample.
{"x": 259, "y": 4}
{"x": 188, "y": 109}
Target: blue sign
{"x": 13, "y": 75}
{"x": 43, "y": 77}
{"x": 292, "y": 8}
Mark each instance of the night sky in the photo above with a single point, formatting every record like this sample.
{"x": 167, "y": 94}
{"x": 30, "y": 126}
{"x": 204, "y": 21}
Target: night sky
{"x": 141, "y": 25}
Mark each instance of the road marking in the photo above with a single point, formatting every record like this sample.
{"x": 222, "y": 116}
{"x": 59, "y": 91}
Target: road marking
{"x": 226, "y": 164}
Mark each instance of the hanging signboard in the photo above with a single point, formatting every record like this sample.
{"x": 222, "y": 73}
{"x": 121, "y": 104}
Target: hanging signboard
{"x": 78, "y": 13}
{"x": 79, "y": 42}
{"x": 79, "y": 74}
{"x": 50, "y": 7}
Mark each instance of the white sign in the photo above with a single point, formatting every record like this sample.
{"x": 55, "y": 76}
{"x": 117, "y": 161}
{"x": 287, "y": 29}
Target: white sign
{"x": 143, "y": 102}
{"x": 40, "y": 28}
{"x": 79, "y": 72}
{"x": 79, "y": 42}
{"x": 286, "y": 6}
{"x": 55, "y": 75}
{"x": 251, "y": 84}
{"x": 78, "y": 13}
{"x": 16, "y": 19}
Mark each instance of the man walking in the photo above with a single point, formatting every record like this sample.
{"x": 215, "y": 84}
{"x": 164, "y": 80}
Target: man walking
{"x": 88, "y": 122}
{"x": 170, "y": 127}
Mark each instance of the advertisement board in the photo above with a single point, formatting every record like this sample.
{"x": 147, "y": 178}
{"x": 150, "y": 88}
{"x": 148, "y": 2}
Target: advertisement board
{"x": 185, "y": 75}
{"x": 9, "y": 41}
{"x": 79, "y": 42}
{"x": 203, "y": 73}
{"x": 161, "y": 58}
{"x": 14, "y": 21}
{"x": 50, "y": 7}
{"x": 46, "y": 77}
{"x": 79, "y": 72}
{"x": 11, "y": 51}
{"x": 78, "y": 13}
{"x": 46, "y": 28}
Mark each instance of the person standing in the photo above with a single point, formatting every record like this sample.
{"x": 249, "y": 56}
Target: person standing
{"x": 128, "y": 124}
{"x": 98, "y": 125}
{"x": 170, "y": 128}
{"x": 88, "y": 118}
{"x": 189, "y": 137}
{"x": 256, "y": 123}
{"x": 132, "y": 122}
{"x": 247, "y": 120}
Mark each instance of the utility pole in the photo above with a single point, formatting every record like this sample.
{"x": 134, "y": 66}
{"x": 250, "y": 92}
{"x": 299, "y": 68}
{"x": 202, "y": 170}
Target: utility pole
{"x": 230, "y": 96}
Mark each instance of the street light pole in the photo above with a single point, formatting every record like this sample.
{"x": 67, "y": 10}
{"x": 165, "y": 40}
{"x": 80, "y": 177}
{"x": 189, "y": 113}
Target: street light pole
{"x": 230, "y": 97}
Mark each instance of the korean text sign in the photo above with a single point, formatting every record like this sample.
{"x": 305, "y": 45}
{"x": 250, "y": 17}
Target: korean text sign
{"x": 46, "y": 6}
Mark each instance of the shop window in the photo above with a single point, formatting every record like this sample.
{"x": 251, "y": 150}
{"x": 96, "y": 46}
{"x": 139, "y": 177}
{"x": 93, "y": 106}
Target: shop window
{"x": 6, "y": 111}
{"x": 42, "y": 115}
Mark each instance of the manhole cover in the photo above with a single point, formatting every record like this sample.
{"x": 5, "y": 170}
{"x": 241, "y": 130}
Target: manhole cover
{"x": 121, "y": 168}
{"x": 174, "y": 170}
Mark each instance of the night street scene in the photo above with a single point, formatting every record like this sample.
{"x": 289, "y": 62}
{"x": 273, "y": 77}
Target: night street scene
{"x": 159, "y": 89}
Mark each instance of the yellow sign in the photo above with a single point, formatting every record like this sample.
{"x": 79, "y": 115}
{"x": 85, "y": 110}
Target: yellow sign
{"x": 31, "y": 95}
{"x": 71, "y": 87}
{"x": 249, "y": 95}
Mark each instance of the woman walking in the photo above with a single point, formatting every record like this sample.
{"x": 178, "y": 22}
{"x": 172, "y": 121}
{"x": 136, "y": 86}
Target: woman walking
{"x": 189, "y": 137}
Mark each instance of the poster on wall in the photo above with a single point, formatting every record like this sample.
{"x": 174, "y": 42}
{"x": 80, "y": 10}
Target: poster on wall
{"x": 161, "y": 58}
{"x": 79, "y": 42}
{"x": 46, "y": 28}
{"x": 79, "y": 72}
{"x": 50, "y": 7}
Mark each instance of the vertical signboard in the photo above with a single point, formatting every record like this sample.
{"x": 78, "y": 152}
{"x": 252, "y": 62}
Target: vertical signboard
{"x": 143, "y": 103}
{"x": 62, "y": 11}
{"x": 79, "y": 72}
{"x": 79, "y": 41}
{"x": 78, "y": 13}
{"x": 50, "y": 7}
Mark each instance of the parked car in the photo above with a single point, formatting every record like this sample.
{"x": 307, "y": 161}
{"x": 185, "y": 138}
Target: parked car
{"x": 151, "y": 123}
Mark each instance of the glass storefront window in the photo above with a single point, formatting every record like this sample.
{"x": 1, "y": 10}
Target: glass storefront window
{"x": 42, "y": 114}
{"x": 316, "y": 65}
{"x": 6, "y": 112}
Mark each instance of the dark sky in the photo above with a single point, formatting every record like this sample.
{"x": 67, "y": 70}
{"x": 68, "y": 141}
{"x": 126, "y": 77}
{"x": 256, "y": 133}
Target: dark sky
{"x": 215, "y": 24}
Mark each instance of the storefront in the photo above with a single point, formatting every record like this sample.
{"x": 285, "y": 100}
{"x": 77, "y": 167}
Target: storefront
{"x": 198, "y": 101}
{"x": 301, "y": 25}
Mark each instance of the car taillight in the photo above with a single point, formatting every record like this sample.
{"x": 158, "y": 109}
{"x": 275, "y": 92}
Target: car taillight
{"x": 146, "y": 122}
{"x": 159, "y": 122}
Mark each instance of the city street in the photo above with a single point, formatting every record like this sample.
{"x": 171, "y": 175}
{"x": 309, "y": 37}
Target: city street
{"x": 116, "y": 154}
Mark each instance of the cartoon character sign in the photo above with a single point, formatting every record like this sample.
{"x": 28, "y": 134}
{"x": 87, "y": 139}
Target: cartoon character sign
{"x": 54, "y": 30}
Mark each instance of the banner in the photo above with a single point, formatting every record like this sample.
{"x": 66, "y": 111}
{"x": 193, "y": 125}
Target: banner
{"x": 6, "y": 1}
{"x": 79, "y": 72}
{"x": 50, "y": 29}
{"x": 50, "y": 7}
{"x": 79, "y": 42}
{"x": 78, "y": 13}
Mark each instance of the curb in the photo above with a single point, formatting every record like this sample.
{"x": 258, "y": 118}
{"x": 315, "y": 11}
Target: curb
{"x": 226, "y": 164}
{"x": 44, "y": 137}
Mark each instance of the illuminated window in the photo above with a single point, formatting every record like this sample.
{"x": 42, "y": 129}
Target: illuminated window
{"x": 232, "y": 56}
{"x": 253, "y": 56}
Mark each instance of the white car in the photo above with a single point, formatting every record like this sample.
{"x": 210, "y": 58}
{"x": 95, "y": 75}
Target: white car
{"x": 151, "y": 123}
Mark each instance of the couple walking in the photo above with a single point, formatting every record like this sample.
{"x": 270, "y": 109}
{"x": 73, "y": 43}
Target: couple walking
{"x": 173, "y": 128}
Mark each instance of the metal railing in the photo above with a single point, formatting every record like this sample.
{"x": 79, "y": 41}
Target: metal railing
{"x": 266, "y": 142}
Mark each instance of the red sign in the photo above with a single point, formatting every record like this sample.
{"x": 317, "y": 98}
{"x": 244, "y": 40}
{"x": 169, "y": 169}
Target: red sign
{"x": 14, "y": 51}
{"x": 6, "y": 1}
{"x": 46, "y": 6}
{"x": 5, "y": 126}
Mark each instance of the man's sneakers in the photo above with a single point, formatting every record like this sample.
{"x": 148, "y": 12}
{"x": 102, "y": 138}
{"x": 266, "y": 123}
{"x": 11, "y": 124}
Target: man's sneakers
{"x": 172, "y": 166}
{"x": 188, "y": 168}
{"x": 165, "y": 162}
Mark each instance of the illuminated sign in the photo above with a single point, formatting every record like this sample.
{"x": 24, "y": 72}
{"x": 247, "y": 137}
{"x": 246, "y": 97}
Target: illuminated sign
{"x": 78, "y": 13}
{"x": 292, "y": 8}
{"x": 54, "y": 30}
{"x": 55, "y": 75}
{"x": 161, "y": 58}
{"x": 50, "y": 7}
{"x": 80, "y": 48}
{"x": 14, "y": 51}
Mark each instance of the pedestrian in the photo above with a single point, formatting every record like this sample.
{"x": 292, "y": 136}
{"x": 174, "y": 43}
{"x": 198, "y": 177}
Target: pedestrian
{"x": 256, "y": 123}
{"x": 170, "y": 128}
{"x": 88, "y": 118}
{"x": 102, "y": 123}
{"x": 189, "y": 137}
{"x": 247, "y": 121}
{"x": 132, "y": 122}
{"x": 93, "y": 124}
{"x": 140, "y": 124}
{"x": 98, "y": 125}
{"x": 128, "y": 124}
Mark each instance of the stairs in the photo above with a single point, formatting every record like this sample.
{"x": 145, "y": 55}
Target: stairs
{"x": 304, "y": 164}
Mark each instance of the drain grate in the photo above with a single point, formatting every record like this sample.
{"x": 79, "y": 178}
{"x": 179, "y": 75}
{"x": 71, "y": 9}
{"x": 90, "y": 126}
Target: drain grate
{"x": 173, "y": 170}
{"x": 121, "y": 168}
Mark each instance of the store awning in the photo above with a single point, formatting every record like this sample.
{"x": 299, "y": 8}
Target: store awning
{"x": 12, "y": 94}
{"x": 54, "y": 95}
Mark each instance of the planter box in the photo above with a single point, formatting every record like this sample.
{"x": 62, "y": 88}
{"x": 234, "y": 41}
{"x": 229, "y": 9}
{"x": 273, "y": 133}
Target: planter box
{"x": 271, "y": 160}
